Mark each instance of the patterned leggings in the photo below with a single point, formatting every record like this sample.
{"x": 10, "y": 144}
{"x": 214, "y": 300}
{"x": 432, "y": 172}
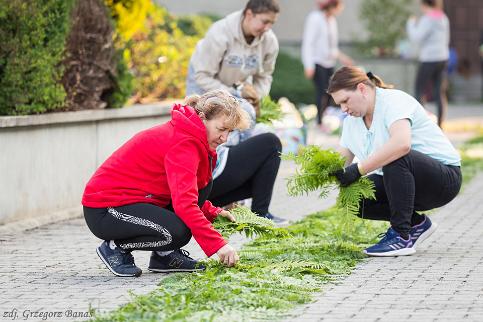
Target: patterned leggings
{"x": 140, "y": 226}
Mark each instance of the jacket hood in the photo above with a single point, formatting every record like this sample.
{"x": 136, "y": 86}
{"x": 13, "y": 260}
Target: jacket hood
{"x": 185, "y": 118}
{"x": 234, "y": 25}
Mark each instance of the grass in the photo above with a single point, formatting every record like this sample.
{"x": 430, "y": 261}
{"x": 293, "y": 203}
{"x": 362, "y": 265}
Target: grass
{"x": 471, "y": 158}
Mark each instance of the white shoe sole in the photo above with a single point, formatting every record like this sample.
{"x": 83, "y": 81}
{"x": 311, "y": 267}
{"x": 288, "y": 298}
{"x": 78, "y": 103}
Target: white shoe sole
{"x": 399, "y": 252}
{"x": 175, "y": 270}
{"x": 110, "y": 268}
{"x": 426, "y": 234}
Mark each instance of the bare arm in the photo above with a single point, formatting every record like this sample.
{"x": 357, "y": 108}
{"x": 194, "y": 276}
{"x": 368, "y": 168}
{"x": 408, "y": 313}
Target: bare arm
{"x": 398, "y": 145}
{"x": 347, "y": 154}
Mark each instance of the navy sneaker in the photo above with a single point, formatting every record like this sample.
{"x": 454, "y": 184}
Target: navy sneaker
{"x": 422, "y": 231}
{"x": 277, "y": 220}
{"x": 176, "y": 261}
{"x": 392, "y": 244}
{"x": 119, "y": 262}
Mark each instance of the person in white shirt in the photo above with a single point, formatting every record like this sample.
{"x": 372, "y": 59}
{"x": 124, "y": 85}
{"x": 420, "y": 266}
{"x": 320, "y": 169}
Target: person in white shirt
{"x": 431, "y": 33}
{"x": 412, "y": 164}
{"x": 320, "y": 50}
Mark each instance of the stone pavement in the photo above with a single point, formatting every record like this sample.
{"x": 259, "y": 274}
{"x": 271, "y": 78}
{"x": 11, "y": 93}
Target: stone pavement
{"x": 54, "y": 269}
{"x": 443, "y": 281}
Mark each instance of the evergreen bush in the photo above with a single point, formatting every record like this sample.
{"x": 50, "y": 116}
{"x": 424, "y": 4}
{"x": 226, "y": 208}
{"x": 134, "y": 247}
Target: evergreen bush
{"x": 289, "y": 81}
{"x": 32, "y": 39}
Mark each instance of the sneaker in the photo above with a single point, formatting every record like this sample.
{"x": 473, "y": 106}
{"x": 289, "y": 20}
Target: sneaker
{"x": 176, "y": 261}
{"x": 392, "y": 244}
{"x": 279, "y": 221}
{"x": 422, "y": 231}
{"x": 119, "y": 262}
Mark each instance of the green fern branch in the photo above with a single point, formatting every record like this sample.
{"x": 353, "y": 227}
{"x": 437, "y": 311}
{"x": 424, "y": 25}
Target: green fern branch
{"x": 269, "y": 111}
{"x": 249, "y": 224}
{"x": 316, "y": 168}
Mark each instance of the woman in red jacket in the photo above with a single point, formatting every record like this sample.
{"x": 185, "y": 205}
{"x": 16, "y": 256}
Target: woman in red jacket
{"x": 151, "y": 193}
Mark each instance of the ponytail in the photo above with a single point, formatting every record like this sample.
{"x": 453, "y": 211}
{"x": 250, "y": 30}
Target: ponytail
{"x": 377, "y": 81}
{"x": 349, "y": 77}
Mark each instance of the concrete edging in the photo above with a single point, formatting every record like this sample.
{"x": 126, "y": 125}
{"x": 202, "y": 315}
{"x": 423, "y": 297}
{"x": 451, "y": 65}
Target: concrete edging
{"x": 47, "y": 159}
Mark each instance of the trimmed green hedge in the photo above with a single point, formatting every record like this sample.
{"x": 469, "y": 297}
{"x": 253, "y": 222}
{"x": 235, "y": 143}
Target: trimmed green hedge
{"x": 32, "y": 40}
{"x": 289, "y": 81}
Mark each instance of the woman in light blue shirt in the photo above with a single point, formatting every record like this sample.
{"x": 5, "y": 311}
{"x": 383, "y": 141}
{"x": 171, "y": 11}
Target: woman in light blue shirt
{"x": 413, "y": 165}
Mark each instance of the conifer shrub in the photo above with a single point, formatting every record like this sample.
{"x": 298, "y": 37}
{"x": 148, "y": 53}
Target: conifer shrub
{"x": 32, "y": 39}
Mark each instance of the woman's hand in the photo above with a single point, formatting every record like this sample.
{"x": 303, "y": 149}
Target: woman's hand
{"x": 228, "y": 255}
{"x": 228, "y": 215}
{"x": 249, "y": 93}
{"x": 348, "y": 175}
{"x": 309, "y": 73}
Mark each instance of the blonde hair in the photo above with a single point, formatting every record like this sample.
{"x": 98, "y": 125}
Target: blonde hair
{"x": 349, "y": 77}
{"x": 219, "y": 102}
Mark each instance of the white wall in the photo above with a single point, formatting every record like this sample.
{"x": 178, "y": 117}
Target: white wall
{"x": 46, "y": 160}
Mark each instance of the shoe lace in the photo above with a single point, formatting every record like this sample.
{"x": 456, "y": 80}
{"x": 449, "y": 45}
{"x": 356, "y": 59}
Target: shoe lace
{"x": 128, "y": 258}
{"x": 183, "y": 252}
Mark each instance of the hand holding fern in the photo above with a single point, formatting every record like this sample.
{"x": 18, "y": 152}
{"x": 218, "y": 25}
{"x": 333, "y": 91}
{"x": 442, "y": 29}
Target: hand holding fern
{"x": 348, "y": 175}
{"x": 227, "y": 215}
{"x": 228, "y": 255}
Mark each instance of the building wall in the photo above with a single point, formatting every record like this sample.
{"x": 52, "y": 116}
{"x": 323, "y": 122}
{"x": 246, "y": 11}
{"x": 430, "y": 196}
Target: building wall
{"x": 289, "y": 27}
{"x": 466, "y": 23}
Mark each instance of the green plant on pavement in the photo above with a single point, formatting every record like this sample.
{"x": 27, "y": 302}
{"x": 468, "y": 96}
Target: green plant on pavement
{"x": 273, "y": 276}
{"x": 248, "y": 224}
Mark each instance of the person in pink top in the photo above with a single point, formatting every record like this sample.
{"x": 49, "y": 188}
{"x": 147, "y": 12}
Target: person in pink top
{"x": 431, "y": 33}
{"x": 151, "y": 194}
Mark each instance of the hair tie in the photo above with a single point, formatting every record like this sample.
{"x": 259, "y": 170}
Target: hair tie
{"x": 370, "y": 75}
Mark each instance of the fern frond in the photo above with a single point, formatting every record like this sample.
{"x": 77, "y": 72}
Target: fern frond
{"x": 316, "y": 168}
{"x": 269, "y": 111}
{"x": 350, "y": 197}
{"x": 249, "y": 224}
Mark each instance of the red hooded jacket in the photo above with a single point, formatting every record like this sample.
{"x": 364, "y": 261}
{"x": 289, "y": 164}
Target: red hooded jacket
{"x": 165, "y": 164}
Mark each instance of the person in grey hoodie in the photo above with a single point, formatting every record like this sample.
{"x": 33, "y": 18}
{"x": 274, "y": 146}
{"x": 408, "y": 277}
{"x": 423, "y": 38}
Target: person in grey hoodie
{"x": 238, "y": 54}
{"x": 431, "y": 33}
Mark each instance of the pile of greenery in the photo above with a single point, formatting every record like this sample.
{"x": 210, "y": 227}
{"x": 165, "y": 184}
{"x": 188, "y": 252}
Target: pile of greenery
{"x": 273, "y": 276}
{"x": 269, "y": 111}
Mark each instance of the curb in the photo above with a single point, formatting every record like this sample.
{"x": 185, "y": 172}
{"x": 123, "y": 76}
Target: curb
{"x": 32, "y": 223}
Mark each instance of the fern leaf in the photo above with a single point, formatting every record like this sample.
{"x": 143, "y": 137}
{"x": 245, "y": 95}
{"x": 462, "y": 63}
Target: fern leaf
{"x": 249, "y": 224}
{"x": 269, "y": 111}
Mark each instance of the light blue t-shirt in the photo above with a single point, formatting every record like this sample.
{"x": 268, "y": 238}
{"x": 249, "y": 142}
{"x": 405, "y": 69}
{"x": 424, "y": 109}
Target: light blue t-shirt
{"x": 393, "y": 105}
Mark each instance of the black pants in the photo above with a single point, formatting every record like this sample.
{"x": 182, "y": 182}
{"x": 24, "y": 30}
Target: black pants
{"x": 141, "y": 226}
{"x": 321, "y": 81}
{"x": 433, "y": 74}
{"x": 250, "y": 172}
{"x": 415, "y": 182}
